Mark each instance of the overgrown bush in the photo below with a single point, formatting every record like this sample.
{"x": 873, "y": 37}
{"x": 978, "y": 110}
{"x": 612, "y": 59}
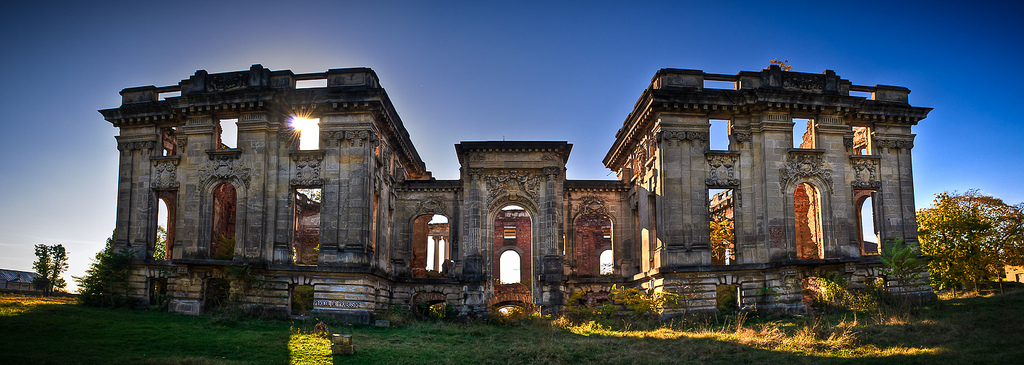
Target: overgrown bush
{"x": 643, "y": 303}
{"x": 577, "y": 310}
{"x": 105, "y": 283}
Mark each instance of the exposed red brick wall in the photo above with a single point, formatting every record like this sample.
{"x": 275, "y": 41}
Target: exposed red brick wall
{"x": 224, "y": 202}
{"x": 589, "y": 240}
{"x": 419, "y": 246}
{"x": 808, "y": 227}
{"x": 521, "y": 220}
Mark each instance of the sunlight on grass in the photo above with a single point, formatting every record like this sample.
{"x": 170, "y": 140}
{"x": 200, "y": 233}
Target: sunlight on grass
{"x": 309, "y": 349}
{"x": 13, "y": 304}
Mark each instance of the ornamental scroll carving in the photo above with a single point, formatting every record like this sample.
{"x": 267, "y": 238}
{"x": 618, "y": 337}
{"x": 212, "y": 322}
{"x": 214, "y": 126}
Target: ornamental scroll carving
{"x": 512, "y": 180}
{"x": 307, "y": 169}
{"x": 865, "y": 173}
{"x": 431, "y": 205}
{"x": 803, "y": 165}
{"x": 165, "y": 174}
{"x": 225, "y": 168}
{"x": 226, "y": 82}
{"x": 722, "y": 170}
{"x": 591, "y": 204}
{"x": 679, "y": 136}
{"x": 891, "y": 143}
{"x": 131, "y": 146}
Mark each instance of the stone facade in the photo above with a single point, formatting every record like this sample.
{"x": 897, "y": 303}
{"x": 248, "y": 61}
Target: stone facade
{"x": 353, "y": 217}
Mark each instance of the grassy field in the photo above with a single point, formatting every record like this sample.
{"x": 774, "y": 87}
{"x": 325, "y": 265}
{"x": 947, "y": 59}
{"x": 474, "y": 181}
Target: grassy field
{"x": 980, "y": 330}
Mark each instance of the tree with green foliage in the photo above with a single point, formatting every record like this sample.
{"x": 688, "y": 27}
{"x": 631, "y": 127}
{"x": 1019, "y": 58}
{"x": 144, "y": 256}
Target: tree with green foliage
{"x": 160, "y": 248}
{"x": 969, "y": 237}
{"x": 902, "y": 263}
{"x": 106, "y": 281}
{"x": 51, "y": 262}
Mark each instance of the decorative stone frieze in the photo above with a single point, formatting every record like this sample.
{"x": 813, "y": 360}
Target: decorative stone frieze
{"x": 722, "y": 170}
{"x": 803, "y": 164}
{"x": 135, "y": 146}
{"x": 224, "y": 168}
{"x": 431, "y": 205}
{"x": 865, "y": 172}
{"x": 678, "y": 136}
{"x": 499, "y": 182}
{"x": 165, "y": 172}
{"x": 591, "y": 204}
{"x": 307, "y": 168}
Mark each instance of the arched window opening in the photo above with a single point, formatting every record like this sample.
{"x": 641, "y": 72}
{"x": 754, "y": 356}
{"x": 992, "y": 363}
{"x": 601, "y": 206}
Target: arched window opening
{"x": 590, "y": 241}
{"x": 510, "y": 270}
{"x": 222, "y": 240}
{"x": 430, "y": 249}
{"x": 722, "y": 226}
{"x": 158, "y": 292}
{"x": 803, "y": 133}
{"x": 607, "y": 266}
{"x": 518, "y": 245}
{"x": 308, "y": 130}
{"x": 866, "y": 233}
{"x": 165, "y": 227}
{"x": 807, "y": 215}
{"x": 306, "y": 236}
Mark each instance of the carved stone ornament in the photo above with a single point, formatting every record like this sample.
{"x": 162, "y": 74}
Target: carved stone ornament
{"x": 182, "y": 142}
{"x": 722, "y": 170}
{"x": 478, "y": 157}
{"x": 552, "y": 172}
{"x": 592, "y": 205}
{"x": 357, "y": 138}
{"x": 475, "y": 173}
{"x": 742, "y": 137}
{"x": 225, "y": 169}
{"x": 307, "y": 169}
{"x": 512, "y": 180}
{"x": 132, "y": 146}
{"x": 165, "y": 174}
{"x": 891, "y": 143}
{"x": 803, "y": 81}
{"x": 679, "y": 136}
{"x": 432, "y": 204}
{"x": 802, "y": 165}
{"x": 226, "y": 82}
{"x": 865, "y": 173}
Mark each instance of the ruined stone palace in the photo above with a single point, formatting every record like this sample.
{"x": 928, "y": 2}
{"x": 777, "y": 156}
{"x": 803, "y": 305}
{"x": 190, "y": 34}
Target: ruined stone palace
{"x": 309, "y": 183}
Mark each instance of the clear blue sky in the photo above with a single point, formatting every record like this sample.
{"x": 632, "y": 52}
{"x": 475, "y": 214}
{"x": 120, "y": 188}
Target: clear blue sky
{"x": 482, "y": 70}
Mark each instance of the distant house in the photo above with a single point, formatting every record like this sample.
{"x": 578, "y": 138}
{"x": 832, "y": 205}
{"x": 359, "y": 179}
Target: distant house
{"x": 1015, "y": 273}
{"x": 16, "y": 280}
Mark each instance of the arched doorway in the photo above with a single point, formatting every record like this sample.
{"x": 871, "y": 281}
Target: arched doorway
{"x": 431, "y": 251}
{"x": 807, "y": 215}
{"x": 222, "y": 237}
{"x": 592, "y": 245}
{"x": 513, "y": 255}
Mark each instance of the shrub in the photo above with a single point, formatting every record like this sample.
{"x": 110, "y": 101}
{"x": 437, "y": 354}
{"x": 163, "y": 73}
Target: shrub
{"x": 105, "y": 283}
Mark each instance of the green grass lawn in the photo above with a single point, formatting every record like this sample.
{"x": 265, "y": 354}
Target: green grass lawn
{"x": 981, "y": 330}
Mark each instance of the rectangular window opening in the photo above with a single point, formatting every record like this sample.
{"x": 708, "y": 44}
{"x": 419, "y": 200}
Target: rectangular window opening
{"x": 803, "y": 133}
{"x": 725, "y": 85}
{"x": 309, "y": 132}
{"x": 606, "y": 232}
{"x": 168, "y": 141}
{"x": 510, "y": 232}
{"x": 306, "y": 238}
{"x": 861, "y": 141}
{"x": 171, "y": 94}
{"x": 719, "y": 139}
{"x": 310, "y": 84}
{"x": 228, "y": 134}
{"x": 861, "y": 94}
{"x": 722, "y": 226}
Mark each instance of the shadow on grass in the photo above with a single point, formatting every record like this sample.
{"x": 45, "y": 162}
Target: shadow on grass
{"x": 67, "y": 333}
